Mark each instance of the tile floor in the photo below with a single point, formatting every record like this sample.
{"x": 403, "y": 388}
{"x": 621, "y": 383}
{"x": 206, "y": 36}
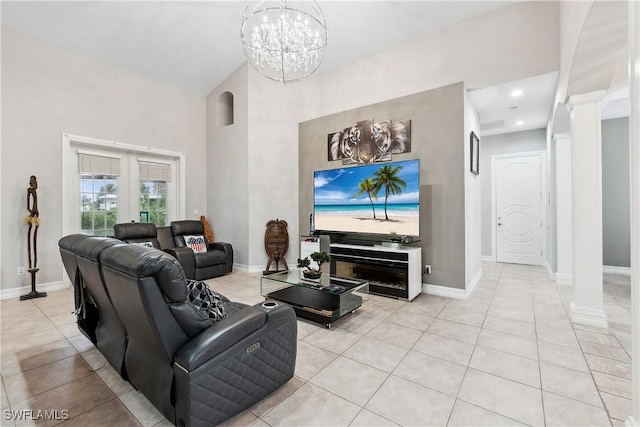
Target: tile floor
{"x": 508, "y": 355}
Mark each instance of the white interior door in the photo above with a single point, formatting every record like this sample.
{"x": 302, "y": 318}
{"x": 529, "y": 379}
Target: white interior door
{"x": 519, "y": 222}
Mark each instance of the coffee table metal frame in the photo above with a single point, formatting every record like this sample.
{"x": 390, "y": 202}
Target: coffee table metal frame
{"x": 322, "y": 300}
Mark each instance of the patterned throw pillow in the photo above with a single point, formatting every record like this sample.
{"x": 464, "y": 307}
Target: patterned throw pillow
{"x": 196, "y": 243}
{"x": 205, "y": 300}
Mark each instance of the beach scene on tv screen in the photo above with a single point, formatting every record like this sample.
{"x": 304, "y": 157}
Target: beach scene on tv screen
{"x": 382, "y": 198}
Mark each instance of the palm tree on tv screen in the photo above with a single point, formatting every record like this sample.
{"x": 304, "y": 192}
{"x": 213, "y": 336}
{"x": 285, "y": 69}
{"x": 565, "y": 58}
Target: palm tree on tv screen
{"x": 368, "y": 186}
{"x": 387, "y": 177}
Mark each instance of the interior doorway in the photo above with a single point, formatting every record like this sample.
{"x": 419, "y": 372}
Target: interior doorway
{"x": 518, "y": 217}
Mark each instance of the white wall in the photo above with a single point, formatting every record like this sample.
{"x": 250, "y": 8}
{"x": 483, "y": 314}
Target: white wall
{"x": 228, "y": 168}
{"x": 274, "y": 113}
{"x": 564, "y": 209}
{"x": 516, "y": 142}
{"x": 48, "y": 91}
{"x": 472, "y": 197}
{"x": 472, "y": 51}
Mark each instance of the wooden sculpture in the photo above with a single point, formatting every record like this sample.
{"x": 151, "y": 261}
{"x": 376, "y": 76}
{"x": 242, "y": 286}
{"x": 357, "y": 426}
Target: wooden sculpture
{"x": 33, "y": 222}
{"x": 276, "y": 243}
{"x": 208, "y": 234}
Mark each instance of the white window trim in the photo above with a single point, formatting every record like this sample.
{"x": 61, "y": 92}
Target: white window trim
{"x": 68, "y": 157}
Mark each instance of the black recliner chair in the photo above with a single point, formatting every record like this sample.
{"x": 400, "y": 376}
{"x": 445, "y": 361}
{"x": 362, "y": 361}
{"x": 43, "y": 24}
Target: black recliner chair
{"x": 216, "y": 261}
{"x": 137, "y": 232}
{"x": 85, "y": 307}
{"x": 102, "y": 324}
{"x": 194, "y": 371}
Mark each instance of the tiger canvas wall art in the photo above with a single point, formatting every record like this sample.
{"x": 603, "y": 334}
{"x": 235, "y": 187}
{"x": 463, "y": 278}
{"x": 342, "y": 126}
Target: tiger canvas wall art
{"x": 369, "y": 142}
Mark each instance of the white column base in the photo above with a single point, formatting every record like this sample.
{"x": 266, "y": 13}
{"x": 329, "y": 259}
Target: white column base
{"x": 564, "y": 279}
{"x": 588, "y": 316}
{"x": 631, "y": 422}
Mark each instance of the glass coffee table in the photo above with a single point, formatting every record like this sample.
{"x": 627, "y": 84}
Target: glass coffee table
{"x": 321, "y": 300}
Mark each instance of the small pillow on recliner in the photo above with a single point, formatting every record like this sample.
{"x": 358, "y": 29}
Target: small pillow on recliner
{"x": 206, "y": 300}
{"x": 196, "y": 243}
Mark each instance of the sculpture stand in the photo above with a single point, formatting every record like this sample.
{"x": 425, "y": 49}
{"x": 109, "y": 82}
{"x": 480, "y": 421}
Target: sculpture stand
{"x": 33, "y": 294}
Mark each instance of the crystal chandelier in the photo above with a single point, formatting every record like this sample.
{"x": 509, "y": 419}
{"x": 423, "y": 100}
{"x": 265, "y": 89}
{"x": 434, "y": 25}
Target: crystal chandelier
{"x": 284, "y": 41}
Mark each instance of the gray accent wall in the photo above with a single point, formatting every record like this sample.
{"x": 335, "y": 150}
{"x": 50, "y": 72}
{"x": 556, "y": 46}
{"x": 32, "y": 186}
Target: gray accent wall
{"x": 508, "y": 143}
{"x": 615, "y": 193}
{"x": 438, "y": 140}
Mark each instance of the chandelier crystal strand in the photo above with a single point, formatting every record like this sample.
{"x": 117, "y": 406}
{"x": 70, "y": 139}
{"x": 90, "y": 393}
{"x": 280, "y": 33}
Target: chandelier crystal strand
{"x": 284, "y": 41}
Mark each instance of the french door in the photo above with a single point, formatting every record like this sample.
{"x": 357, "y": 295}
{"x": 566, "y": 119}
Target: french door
{"x": 109, "y": 183}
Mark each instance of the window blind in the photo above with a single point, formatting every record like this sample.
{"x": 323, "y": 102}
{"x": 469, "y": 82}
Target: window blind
{"x": 154, "y": 171}
{"x": 98, "y": 165}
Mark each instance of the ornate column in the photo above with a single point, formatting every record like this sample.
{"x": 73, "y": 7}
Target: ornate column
{"x": 586, "y": 177}
{"x": 564, "y": 210}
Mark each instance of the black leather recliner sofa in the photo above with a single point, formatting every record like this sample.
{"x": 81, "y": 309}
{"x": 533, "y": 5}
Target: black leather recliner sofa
{"x": 216, "y": 261}
{"x": 194, "y": 371}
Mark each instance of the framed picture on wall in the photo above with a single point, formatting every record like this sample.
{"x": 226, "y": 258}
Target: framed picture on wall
{"x": 475, "y": 154}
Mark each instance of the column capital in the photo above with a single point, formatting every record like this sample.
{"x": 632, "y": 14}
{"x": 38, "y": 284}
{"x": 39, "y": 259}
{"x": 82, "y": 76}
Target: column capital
{"x": 563, "y": 136}
{"x": 585, "y": 98}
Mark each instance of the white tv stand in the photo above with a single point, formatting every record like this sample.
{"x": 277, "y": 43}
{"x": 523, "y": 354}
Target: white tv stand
{"x": 391, "y": 271}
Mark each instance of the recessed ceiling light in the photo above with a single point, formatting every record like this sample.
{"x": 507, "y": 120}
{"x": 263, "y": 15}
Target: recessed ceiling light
{"x": 516, "y": 92}
{"x": 519, "y": 123}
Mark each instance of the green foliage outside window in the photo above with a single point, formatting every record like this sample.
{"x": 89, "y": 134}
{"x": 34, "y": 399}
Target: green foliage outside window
{"x": 99, "y": 204}
{"x": 153, "y": 202}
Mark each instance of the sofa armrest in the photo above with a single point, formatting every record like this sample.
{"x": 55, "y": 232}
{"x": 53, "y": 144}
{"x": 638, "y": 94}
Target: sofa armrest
{"x": 186, "y": 258}
{"x": 227, "y": 249}
{"x": 219, "y": 337}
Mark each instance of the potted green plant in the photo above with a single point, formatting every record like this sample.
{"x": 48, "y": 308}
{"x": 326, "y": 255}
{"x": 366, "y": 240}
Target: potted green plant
{"x": 319, "y": 258}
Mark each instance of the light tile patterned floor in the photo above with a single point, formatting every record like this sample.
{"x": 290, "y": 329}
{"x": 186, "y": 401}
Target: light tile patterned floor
{"x": 506, "y": 356}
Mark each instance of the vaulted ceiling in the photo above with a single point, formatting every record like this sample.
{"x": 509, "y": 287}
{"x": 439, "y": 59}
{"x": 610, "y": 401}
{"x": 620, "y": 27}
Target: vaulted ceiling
{"x": 194, "y": 46}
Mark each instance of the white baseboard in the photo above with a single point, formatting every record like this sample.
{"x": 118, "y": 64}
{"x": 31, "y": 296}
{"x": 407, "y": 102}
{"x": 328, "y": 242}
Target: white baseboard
{"x": 474, "y": 282}
{"x": 445, "y": 291}
{"x": 588, "y": 316}
{"x": 487, "y": 258}
{"x": 23, "y": 290}
{"x": 611, "y": 269}
{"x": 564, "y": 279}
{"x": 546, "y": 265}
{"x": 249, "y": 268}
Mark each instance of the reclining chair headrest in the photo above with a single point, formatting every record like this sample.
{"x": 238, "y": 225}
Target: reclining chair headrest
{"x": 69, "y": 242}
{"x": 179, "y": 228}
{"x": 139, "y": 261}
{"x": 135, "y": 230}
{"x": 91, "y": 247}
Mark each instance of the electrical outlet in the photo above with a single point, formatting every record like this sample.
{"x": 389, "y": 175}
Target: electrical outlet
{"x": 21, "y": 271}
{"x": 427, "y": 269}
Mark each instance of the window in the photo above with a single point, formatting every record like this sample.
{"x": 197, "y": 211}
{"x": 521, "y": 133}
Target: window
{"x": 106, "y": 183}
{"x": 154, "y": 185}
{"x": 225, "y": 109}
{"x": 98, "y": 193}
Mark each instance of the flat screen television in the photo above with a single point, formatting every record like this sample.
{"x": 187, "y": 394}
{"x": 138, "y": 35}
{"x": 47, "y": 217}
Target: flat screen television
{"x": 382, "y": 198}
